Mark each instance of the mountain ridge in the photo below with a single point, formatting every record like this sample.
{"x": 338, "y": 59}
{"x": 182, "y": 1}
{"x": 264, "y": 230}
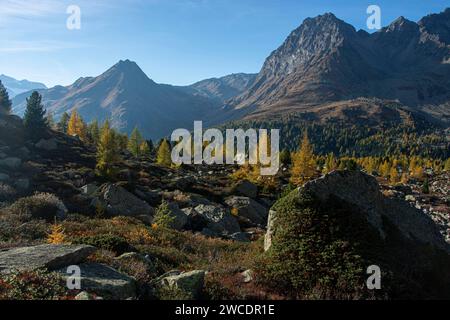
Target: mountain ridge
{"x": 16, "y": 87}
{"x": 327, "y": 60}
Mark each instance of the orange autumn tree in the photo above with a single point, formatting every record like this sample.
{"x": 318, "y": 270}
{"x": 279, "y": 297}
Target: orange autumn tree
{"x": 76, "y": 126}
{"x": 303, "y": 163}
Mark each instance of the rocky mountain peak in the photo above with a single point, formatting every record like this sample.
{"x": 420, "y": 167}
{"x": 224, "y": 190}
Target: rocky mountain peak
{"x": 438, "y": 25}
{"x": 401, "y": 24}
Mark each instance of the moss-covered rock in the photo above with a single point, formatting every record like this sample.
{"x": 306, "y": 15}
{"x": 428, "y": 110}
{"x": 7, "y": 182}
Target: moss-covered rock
{"x": 322, "y": 246}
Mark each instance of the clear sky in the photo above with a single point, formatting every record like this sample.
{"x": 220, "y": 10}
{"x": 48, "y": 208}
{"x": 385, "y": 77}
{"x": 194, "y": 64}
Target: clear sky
{"x": 174, "y": 41}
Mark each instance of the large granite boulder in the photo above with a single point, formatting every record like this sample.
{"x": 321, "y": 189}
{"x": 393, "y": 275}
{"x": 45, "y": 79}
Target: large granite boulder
{"x": 190, "y": 283}
{"x": 11, "y": 163}
{"x": 119, "y": 202}
{"x": 105, "y": 281}
{"x": 49, "y": 256}
{"x": 246, "y": 188}
{"x": 217, "y": 219}
{"x": 248, "y": 211}
{"x": 362, "y": 192}
{"x": 47, "y": 144}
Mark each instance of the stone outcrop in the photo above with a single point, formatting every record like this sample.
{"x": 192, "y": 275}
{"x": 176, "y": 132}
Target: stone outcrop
{"x": 190, "y": 283}
{"x": 217, "y": 219}
{"x": 248, "y": 211}
{"x": 119, "y": 202}
{"x": 105, "y": 281}
{"x": 47, "y": 256}
{"x": 246, "y": 188}
{"x": 362, "y": 192}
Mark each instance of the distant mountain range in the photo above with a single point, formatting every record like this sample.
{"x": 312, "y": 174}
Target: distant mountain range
{"x": 320, "y": 71}
{"x": 222, "y": 89}
{"x": 15, "y": 87}
{"x": 326, "y": 60}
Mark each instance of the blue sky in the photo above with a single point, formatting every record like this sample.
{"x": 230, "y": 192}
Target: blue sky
{"x": 174, "y": 41}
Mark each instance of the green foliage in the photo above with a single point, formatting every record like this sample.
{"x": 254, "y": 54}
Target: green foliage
{"x": 107, "y": 152}
{"x": 310, "y": 254}
{"x": 94, "y": 132}
{"x": 285, "y": 157}
{"x": 134, "y": 142}
{"x": 447, "y": 165}
{"x": 32, "y": 285}
{"x": 164, "y": 156}
{"x": 34, "y": 118}
{"x": 163, "y": 217}
{"x": 426, "y": 187}
{"x": 5, "y": 102}
{"x": 144, "y": 149}
{"x": 113, "y": 243}
{"x": 39, "y": 206}
{"x": 63, "y": 122}
{"x": 342, "y": 139}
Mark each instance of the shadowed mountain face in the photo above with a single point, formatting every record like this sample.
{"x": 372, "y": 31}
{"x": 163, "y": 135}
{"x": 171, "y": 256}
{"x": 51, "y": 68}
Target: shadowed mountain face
{"x": 327, "y": 60}
{"x": 126, "y": 96}
{"x": 16, "y": 87}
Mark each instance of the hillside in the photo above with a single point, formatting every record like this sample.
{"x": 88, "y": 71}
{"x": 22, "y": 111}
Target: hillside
{"x": 223, "y": 237}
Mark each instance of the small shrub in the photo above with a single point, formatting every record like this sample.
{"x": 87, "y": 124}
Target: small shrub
{"x": 39, "y": 206}
{"x": 116, "y": 244}
{"x": 56, "y": 236}
{"x": 14, "y": 228}
{"x": 32, "y": 285}
{"x": 7, "y": 193}
{"x": 163, "y": 218}
{"x": 172, "y": 293}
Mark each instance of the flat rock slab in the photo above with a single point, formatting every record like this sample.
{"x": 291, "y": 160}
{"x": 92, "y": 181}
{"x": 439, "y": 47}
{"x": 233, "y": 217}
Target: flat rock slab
{"x": 105, "y": 281}
{"x": 49, "y": 256}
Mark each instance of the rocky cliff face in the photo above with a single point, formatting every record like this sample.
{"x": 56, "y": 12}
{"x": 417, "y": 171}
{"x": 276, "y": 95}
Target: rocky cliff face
{"x": 326, "y": 59}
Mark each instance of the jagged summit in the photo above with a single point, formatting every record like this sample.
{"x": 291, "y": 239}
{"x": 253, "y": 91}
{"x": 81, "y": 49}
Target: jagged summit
{"x": 325, "y": 60}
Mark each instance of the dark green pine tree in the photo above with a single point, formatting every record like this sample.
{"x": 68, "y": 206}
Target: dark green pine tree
{"x": 34, "y": 119}
{"x": 5, "y": 102}
{"x": 64, "y": 122}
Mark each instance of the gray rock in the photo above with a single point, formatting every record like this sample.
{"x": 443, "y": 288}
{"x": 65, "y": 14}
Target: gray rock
{"x": 86, "y": 296}
{"x": 180, "y": 219}
{"x": 362, "y": 192}
{"x": 248, "y": 276}
{"x": 246, "y": 189}
{"x": 119, "y": 202}
{"x": 240, "y": 237}
{"x": 22, "y": 184}
{"x": 23, "y": 152}
{"x": 105, "y": 281}
{"x": 89, "y": 189}
{"x": 218, "y": 219}
{"x": 49, "y": 256}
{"x": 4, "y": 177}
{"x": 48, "y": 145}
{"x": 191, "y": 282}
{"x": 270, "y": 230}
{"x": 248, "y": 210}
{"x": 11, "y": 163}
